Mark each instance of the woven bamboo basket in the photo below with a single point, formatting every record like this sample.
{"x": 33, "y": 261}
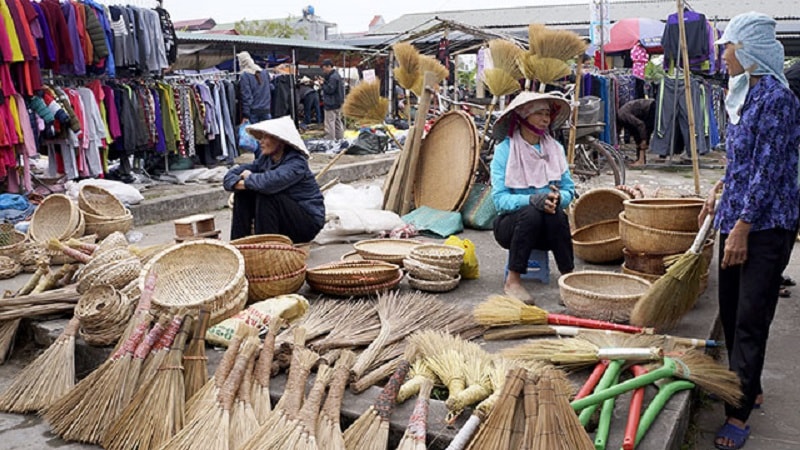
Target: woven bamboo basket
{"x": 597, "y": 205}
{"x": 652, "y": 278}
{"x": 673, "y": 214}
{"x": 99, "y": 201}
{"x": 434, "y": 286}
{"x": 261, "y": 288}
{"x": 112, "y": 273}
{"x": 599, "y": 242}
{"x": 653, "y": 263}
{"x": 10, "y": 241}
{"x": 601, "y": 295}
{"x": 353, "y": 273}
{"x": 56, "y": 217}
{"x": 262, "y": 239}
{"x": 428, "y": 272}
{"x": 205, "y": 272}
{"x": 270, "y": 258}
{"x": 639, "y": 238}
{"x": 389, "y": 250}
{"x": 234, "y": 306}
{"x": 357, "y": 290}
{"x": 104, "y": 313}
{"x": 31, "y": 252}
{"x": 447, "y": 254}
{"x": 351, "y": 256}
{"x": 444, "y": 265}
{"x": 9, "y": 268}
{"x": 104, "y": 226}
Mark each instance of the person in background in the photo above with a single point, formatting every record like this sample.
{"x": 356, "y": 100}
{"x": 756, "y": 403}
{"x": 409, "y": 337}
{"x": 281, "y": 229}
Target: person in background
{"x": 255, "y": 89}
{"x": 757, "y": 215}
{"x": 531, "y": 186}
{"x": 309, "y": 99}
{"x": 276, "y": 193}
{"x": 638, "y": 117}
{"x": 332, "y": 100}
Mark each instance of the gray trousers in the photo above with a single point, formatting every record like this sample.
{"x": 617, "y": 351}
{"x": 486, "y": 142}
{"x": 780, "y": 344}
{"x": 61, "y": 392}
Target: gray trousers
{"x": 672, "y": 119}
{"x": 334, "y": 127}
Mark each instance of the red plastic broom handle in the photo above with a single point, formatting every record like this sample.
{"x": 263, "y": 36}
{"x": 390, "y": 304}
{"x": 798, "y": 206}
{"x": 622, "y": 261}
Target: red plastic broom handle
{"x": 593, "y": 379}
{"x": 563, "y": 319}
{"x": 634, "y": 412}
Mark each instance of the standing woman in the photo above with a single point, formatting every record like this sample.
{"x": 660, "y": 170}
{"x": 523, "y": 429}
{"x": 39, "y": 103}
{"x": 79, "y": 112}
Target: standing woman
{"x": 256, "y": 90}
{"x": 757, "y": 214}
{"x": 531, "y": 186}
{"x": 276, "y": 193}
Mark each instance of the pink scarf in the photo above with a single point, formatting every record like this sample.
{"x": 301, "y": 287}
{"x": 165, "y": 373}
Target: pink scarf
{"x": 527, "y": 167}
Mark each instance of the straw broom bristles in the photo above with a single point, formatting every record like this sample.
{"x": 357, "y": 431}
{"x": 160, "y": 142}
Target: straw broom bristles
{"x": 320, "y": 320}
{"x": 562, "y": 45}
{"x": 158, "y": 354}
{"x": 546, "y": 69}
{"x": 365, "y": 104}
{"x": 708, "y": 374}
{"x": 79, "y": 414}
{"x": 502, "y": 310}
{"x": 505, "y": 55}
{"x": 303, "y": 434}
{"x": 495, "y": 433}
{"x": 45, "y": 379}
{"x": 440, "y": 351}
{"x": 361, "y": 328}
{"x": 417, "y": 375}
{"x": 408, "y": 59}
{"x": 262, "y": 403}
{"x": 477, "y": 367}
{"x": 329, "y": 430}
{"x": 211, "y": 429}
{"x": 195, "y": 361}
{"x": 548, "y": 433}
{"x": 531, "y": 410}
{"x": 500, "y": 83}
{"x": 671, "y": 296}
{"x": 142, "y": 311}
{"x": 575, "y": 435}
{"x": 575, "y": 353}
{"x": 244, "y": 422}
{"x": 429, "y": 64}
{"x": 417, "y": 429}
{"x": 156, "y": 412}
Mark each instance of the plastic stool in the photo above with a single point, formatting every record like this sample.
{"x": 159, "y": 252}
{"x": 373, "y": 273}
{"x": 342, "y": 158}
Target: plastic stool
{"x": 538, "y": 267}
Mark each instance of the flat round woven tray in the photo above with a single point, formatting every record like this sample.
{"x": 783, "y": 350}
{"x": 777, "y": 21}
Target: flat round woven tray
{"x": 99, "y": 201}
{"x": 204, "y": 272}
{"x": 601, "y": 295}
{"x": 389, "y": 250}
{"x": 263, "y": 238}
{"x": 357, "y": 290}
{"x": 439, "y": 252}
{"x": 351, "y": 256}
{"x": 434, "y": 286}
{"x": 448, "y": 158}
{"x": 598, "y": 205}
{"x": 353, "y": 273}
{"x": 56, "y": 217}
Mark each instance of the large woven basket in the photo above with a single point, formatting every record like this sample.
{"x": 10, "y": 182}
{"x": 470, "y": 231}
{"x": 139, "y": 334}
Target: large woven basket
{"x": 55, "y": 218}
{"x": 104, "y": 226}
{"x": 433, "y": 286}
{"x": 601, "y": 295}
{"x": 270, "y": 258}
{"x": 357, "y": 290}
{"x": 10, "y": 241}
{"x": 261, "y": 288}
{"x": 101, "y": 202}
{"x": 639, "y": 238}
{"x": 653, "y": 263}
{"x": 353, "y": 273}
{"x": 598, "y": 205}
{"x": 673, "y": 214}
{"x": 389, "y": 250}
{"x": 263, "y": 239}
{"x": 599, "y": 242}
{"x": 203, "y": 273}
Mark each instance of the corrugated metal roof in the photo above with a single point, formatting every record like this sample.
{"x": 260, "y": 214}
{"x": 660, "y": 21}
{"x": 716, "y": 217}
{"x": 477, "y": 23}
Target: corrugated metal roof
{"x": 199, "y": 38}
{"x": 782, "y": 10}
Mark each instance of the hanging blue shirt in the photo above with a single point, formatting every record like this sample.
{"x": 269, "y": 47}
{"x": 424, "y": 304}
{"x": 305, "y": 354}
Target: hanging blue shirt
{"x": 761, "y": 180}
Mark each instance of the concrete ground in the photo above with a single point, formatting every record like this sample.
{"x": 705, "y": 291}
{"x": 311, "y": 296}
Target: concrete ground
{"x": 775, "y": 427}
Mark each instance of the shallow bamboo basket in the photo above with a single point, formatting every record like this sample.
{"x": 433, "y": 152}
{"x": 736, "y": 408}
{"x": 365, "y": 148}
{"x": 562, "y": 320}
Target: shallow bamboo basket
{"x": 639, "y": 238}
{"x": 433, "y": 286}
{"x": 99, "y": 201}
{"x": 56, "y": 217}
{"x": 673, "y": 214}
{"x": 600, "y": 295}
{"x": 599, "y": 242}
{"x": 261, "y": 288}
{"x": 103, "y": 227}
{"x": 597, "y": 205}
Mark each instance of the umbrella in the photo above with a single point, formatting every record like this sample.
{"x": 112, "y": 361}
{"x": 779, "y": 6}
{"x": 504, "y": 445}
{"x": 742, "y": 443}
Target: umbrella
{"x": 627, "y": 32}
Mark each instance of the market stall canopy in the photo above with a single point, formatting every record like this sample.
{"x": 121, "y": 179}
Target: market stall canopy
{"x": 627, "y": 32}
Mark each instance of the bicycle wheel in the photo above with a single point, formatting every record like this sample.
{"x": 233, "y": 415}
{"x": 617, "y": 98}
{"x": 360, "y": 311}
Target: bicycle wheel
{"x": 607, "y": 160}
{"x": 619, "y": 158}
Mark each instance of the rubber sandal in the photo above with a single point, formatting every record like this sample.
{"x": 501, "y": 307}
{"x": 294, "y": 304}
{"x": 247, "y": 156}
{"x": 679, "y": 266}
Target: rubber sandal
{"x": 784, "y": 293}
{"x": 734, "y": 434}
{"x": 788, "y": 281}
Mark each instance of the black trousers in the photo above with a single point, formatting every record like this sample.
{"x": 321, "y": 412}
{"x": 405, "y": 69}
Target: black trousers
{"x": 528, "y": 228}
{"x": 271, "y": 214}
{"x": 748, "y": 296}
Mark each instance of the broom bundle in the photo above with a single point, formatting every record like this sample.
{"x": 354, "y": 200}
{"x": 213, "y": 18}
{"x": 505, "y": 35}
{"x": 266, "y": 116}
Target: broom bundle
{"x": 45, "y": 379}
{"x": 548, "y": 433}
{"x": 158, "y": 354}
{"x": 142, "y": 312}
{"x": 305, "y": 431}
{"x": 84, "y": 412}
{"x": 563, "y": 45}
{"x": 503, "y": 78}
{"x": 262, "y": 403}
{"x": 407, "y": 71}
{"x": 365, "y": 103}
{"x": 329, "y": 431}
{"x": 361, "y": 327}
{"x": 477, "y": 370}
{"x": 576, "y": 353}
{"x": 495, "y": 433}
{"x": 417, "y": 429}
{"x": 418, "y": 374}
{"x": 322, "y": 316}
{"x": 530, "y": 407}
{"x": 155, "y": 413}
{"x": 211, "y": 429}
{"x": 574, "y": 432}
{"x": 195, "y": 362}
{"x": 432, "y": 65}
{"x": 441, "y": 353}
{"x": 244, "y": 422}
{"x": 505, "y": 55}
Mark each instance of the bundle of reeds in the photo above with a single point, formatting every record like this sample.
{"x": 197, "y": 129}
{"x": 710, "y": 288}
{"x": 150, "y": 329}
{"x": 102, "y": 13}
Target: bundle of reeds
{"x": 428, "y": 64}
{"x": 142, "y": 312}
{"x": 244, "y": 422}
{"x": 417, "y": 429}
{"x": 262, "y": 403}
{"x": 45, "y": 379}
{"x": 361, "y": 327}
{"x": 419, "y": 373}
{"x": 195, "y": 361}
{"x": 211, "y": 429}
{"x": 548, "y": 433}
{"x": 505, "y": 55}
{"x": 155, "y": 413}
{"x": 496, "y": 430}
{"x": 530, "y": 408}
{"x": 329, "y": 430}
{"x": 158, "y": 354}
{"x": 441, "y": 353}
{"x": 305, "y": 432}
{"x": 575, "y": 434}
{"x": 477, "y": 370}
{"x": 365, "y": 103}
{"x": 84, "y": 412}
{"x": 576, "y": 353}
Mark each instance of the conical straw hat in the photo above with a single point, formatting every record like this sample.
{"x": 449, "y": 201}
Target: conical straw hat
{"x": 283, "y": 129}
{"x": 558, "y": 106}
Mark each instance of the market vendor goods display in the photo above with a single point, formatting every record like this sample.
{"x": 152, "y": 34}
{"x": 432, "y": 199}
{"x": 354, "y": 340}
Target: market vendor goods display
{"x": 354, "y": 278}
{"x": 272, "y": 265}
{"x": 434, "y": 267}
{"x": 601, "y": 295}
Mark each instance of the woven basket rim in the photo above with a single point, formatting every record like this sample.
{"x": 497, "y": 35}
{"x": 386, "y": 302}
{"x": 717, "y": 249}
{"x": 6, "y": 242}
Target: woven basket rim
{"x": 581, "y": 220}
{"x": 352, "y": 255}
{"x": 283, "y": 276}
{"x": 377, "y": 247}
{"x": 357, "y": 290}
{"x": 17, "y": 237}
{"x": 434, "y": 286}
{"x": 92, "y": 207}
{"x": 424, "y": 271}
{"x": 564, "y": 279}
{"x": 352, "y": 266}
{"x": 439, "y": 252}
{"x": 262, "y": 238}
{"x": 663, "y": 203}
{"x": 42, "y": 214}
{"x": 655, "y": 230}
{"x": 450, "y": 264}
{"x": 94, "y": 218}
{"x": 594, "y": 225}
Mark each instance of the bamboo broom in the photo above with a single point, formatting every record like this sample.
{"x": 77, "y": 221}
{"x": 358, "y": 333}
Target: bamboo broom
{"x": 211, "y": 429}
{"x": 155, "y": 413}
{"x": 361, "y": 328}
{"x": 499, "y": 83}
{"x": 195, "y": 361}
{"x": 440, "y": 351}
{"x": 262, "y": 403}
{"x": 477, "y": 369}
{"x": 419, "y": 373}
{"x": 158, "y": 354}
{"x": 321, "y": 319}
{"x": 531, "y": 410}
{"x": 371, "y": 430}
{"x": 244, "y": 422}
{"x": 429, "y": 64}
{"x": 77, "y": 416}
{"x": 329, "y": 430}
{"x": 142, "y": 312}
{"x": 417, "y": 429}
{"x": 675, "y": 293}
{"x": 365, "y": 104}
{"x": 576, "y": 437}
{"x": 665, "y": 341}
{"x": 407, "y": 71}
{"x": 558, "y": 44}
{"x": 45, "y": 379}
{"x": 306, "y": 428}
{"x": 576, "y": 353}
{"x": 495, "y": 432}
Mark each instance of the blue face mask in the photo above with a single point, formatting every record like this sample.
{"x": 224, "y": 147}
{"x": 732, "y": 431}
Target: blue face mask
{"x": 738, "y": 87}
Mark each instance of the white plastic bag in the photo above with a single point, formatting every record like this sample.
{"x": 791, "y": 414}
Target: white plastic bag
{"x": 125, "y": 193}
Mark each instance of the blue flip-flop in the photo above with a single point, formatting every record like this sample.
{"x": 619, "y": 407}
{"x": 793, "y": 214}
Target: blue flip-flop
{"x": 733, "y": 433}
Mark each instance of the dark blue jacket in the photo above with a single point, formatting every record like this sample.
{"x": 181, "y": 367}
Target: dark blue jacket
{"x": 291, "y": 175}
{"x": 255, "y": 95}
{"x": 332, "y": 91}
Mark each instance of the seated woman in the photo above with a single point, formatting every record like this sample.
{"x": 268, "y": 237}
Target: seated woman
{"x": 531, "y": 186}
{"x": 276, "y": 193}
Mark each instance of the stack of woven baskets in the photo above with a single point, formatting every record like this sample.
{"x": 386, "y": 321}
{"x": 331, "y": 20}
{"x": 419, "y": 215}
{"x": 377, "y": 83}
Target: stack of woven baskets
{"x": 103, "y": 212}
{"x": 354, "y": 278}
{"x": 111, "y": 265}
{"x": 104, "y": 313}
{"x": 56, "y": 217}
{"x": 11, "y": 242}
{"x": 204, "y": 273}
{"x": 595, "y": 216}
{"x": 389, "y": 250}
{"x": 656, "y": 228}
{"x": 272, "y": 265}
{"x": 434, "y": 267}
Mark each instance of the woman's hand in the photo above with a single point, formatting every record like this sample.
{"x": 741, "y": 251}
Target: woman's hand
{"x": 736, "y": 245}
{"x": 245, "y": 174}
{"x": 551, "y": 203}
{"x": 710, "y": 204}
{"x": 239, "y": 186}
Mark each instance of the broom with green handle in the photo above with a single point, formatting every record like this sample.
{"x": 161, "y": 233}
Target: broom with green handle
{"x": 665, "y": 392}
{"x": 609, "y": 379}
{"x": 604, "y": 425}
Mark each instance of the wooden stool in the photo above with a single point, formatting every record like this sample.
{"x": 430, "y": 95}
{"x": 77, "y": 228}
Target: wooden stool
{"x": 198, "y": 226}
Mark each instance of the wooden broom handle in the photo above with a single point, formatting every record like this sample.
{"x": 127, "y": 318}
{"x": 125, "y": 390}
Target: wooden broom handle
{"x": 573, "y": 129}
{"x": 687, "y": 88}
